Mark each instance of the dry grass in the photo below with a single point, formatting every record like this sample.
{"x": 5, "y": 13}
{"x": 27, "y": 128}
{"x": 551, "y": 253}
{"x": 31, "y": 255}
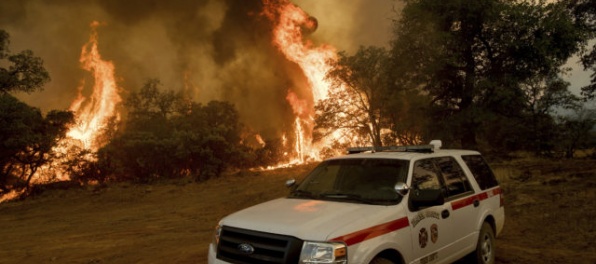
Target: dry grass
{"x": 170, "y": 222}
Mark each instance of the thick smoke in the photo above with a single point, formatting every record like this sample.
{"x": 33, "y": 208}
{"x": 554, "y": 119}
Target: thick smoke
{"x": 212, "y": 49}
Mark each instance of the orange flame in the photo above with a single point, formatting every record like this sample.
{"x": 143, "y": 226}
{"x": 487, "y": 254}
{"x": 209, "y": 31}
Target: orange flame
{"x": 93, "y": 113}
{"x": 288, "y": 37}
{"x": 290, "y": 24}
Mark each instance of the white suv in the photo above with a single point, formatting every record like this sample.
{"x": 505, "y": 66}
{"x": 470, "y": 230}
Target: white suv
{"x": 419, "y": 204}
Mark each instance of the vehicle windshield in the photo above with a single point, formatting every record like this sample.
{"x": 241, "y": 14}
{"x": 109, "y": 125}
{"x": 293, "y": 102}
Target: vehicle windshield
{"x": 369, "y": 181}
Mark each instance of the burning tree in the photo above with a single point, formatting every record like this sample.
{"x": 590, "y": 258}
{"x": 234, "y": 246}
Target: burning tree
{"x": 358, "y": 97}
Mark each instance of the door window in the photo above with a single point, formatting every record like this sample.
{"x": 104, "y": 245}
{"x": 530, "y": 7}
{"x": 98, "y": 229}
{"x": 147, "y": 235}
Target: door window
{"x": 425, "y": 175}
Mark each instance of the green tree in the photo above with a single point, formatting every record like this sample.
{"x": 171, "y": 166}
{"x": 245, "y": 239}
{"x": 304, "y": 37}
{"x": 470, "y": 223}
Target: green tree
{"x": 167, "y": 136}
{"x": 473, "y": 57}
{"x": 576, "y": 131}
{"x": 209, "y": 139}
{"x": 25, "y": 72}
{"x": 357, "y": 100}
{"x": 537, "y": 125}
{"x": 585, "y": 14}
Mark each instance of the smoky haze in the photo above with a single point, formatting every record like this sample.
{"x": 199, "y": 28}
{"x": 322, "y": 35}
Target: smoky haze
{"x": 212, "y": 49}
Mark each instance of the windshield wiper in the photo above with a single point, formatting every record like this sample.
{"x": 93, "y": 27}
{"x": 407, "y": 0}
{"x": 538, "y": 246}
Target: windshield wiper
{"x": 301, "y": 193}
{"x": 348, "y": 196}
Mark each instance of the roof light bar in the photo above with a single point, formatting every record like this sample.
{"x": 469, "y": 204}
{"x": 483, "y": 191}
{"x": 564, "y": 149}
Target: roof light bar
{"x": 417, "y": 148}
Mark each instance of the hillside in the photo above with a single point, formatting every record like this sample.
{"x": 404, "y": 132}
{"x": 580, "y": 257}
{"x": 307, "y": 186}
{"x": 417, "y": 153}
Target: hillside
{"x": 550, "y": 207}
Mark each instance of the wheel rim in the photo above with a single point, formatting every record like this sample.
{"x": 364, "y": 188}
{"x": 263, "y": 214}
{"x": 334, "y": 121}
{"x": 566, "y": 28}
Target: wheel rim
{"x": 487, "y": 249}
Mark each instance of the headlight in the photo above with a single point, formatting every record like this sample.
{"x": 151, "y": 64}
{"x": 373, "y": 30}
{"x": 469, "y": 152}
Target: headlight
{"x": 323, "y": 252}
{"x": 216, "y": 235}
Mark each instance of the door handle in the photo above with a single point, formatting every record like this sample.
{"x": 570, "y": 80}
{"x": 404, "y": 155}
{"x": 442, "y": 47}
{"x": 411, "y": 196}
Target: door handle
{"x": 476, "y": 203}
{"x": 445, "y": 213}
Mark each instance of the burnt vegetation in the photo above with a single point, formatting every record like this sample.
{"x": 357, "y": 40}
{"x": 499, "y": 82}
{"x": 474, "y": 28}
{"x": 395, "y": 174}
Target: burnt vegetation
{"x": 479, "y": 75}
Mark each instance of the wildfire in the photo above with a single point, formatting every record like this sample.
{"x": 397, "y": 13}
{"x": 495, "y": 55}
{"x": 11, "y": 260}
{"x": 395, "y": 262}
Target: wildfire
{"x": 290, "y": 25}
{"x": 93, "y": 113}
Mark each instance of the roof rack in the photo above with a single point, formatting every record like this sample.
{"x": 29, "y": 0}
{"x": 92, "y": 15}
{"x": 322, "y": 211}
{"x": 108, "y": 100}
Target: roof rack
{"x": 416, "y": 148}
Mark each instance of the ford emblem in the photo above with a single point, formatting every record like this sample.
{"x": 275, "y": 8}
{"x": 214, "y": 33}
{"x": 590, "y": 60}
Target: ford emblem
{"x": 246, "y": 248}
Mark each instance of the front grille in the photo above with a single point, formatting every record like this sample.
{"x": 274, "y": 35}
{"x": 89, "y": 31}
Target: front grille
{"x": 268, "y": 248}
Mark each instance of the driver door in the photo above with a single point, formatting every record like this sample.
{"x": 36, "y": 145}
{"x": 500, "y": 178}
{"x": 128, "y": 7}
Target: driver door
{"x": 430, "y": 225}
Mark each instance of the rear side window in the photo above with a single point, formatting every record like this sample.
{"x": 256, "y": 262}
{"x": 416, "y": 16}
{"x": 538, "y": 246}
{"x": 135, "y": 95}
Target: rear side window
{"x": 440, "y": 173}
{"x": 455, "y": 179}
{"x": 481, "y": 171}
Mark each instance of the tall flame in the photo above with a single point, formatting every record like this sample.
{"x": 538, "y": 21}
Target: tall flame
{"x": 93, "y": 113}
{"x": 290, "y": 25}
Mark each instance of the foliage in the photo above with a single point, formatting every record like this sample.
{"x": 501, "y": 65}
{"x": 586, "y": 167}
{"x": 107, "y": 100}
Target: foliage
{"x": 584, "y": 12}
{"x": 479, "y": 60}
{"x": 25, "y": 72}
{"x": 357, "y": 100}
{"x": 576, "y": 132}
{"x": 27, "y": 140}
{"x": 167, "y": 136}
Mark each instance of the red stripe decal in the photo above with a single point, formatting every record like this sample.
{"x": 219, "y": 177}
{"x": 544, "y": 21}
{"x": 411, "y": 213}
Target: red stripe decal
{"x": 470, "y": 200}
{"x": 372, "y": 232}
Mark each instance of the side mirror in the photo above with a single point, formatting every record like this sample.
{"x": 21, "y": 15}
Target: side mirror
{"x": 401, "y": 188}
{"x": 290, "y": 183}
{"x": 426, "y": 198}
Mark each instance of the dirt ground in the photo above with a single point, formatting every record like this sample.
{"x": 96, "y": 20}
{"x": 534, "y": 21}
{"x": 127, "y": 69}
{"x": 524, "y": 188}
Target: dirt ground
{"x": 550, "y": 207}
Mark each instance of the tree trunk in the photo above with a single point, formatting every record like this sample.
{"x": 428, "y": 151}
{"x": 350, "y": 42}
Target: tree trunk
{"x": 468, "y": 125}
{"x": 468, "y": 136}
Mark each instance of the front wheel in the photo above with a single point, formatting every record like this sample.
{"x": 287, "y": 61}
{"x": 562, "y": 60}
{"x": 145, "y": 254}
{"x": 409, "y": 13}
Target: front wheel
{"x": 485, "y": 249}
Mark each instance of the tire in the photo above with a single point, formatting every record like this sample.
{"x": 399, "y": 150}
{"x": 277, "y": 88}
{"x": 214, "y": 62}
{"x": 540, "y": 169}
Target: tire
{"x": 380, "y": 260}
{"x": 485, "y": 249}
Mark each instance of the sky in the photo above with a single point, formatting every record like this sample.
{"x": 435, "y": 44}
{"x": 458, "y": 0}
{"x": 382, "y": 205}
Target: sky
{"x": 215, "y": 49}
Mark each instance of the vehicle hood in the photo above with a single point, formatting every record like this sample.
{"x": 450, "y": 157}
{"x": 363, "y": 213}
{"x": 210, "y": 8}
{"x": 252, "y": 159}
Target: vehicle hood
{"x": 305, "y": 219}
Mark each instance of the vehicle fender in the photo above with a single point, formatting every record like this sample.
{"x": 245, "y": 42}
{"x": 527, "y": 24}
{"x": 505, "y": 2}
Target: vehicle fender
{"x": 497, "y": 215}
{"x": 366, "y": 251}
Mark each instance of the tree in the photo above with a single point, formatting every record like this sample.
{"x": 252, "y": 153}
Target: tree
{"x": 27, "y": 140}
{"x": 584, "y": 12}
{"x": 209, "y": 139}
{"x": 473, "y": 57}
{"x": 408, "y": 117}
{"x": 537, "y": 124}
{"x": 577, "y": 131}
{"x": 167, "y": 136}
{"x": 25, "y": 72}
{"x": 358, "y": 97}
